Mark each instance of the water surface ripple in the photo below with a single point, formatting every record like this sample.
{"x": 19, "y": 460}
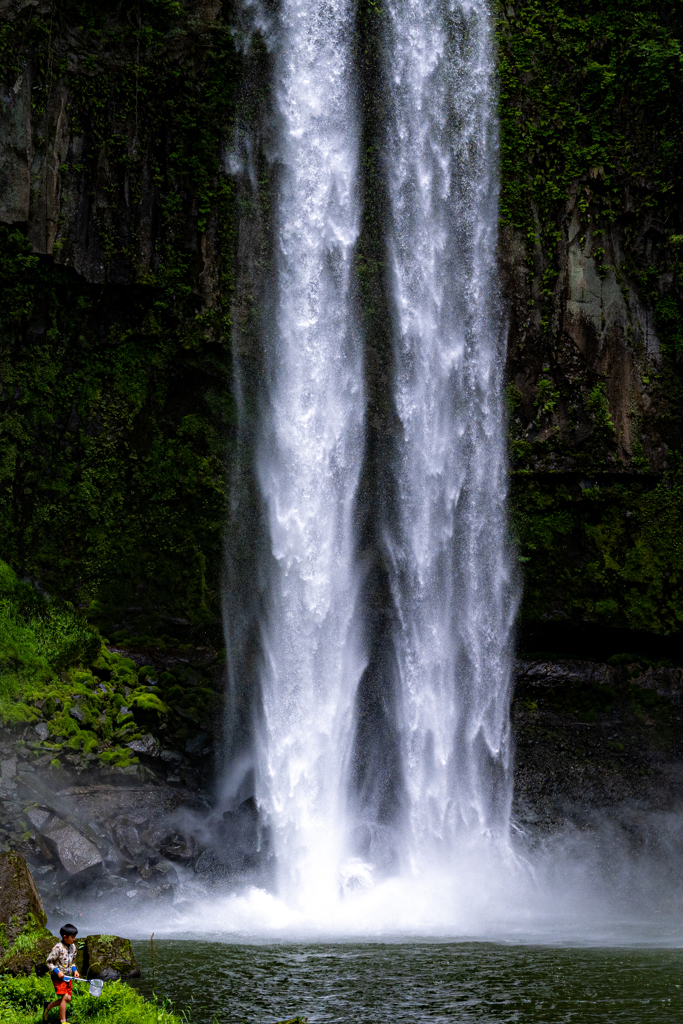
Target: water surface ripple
{"x": 373, "y": 983}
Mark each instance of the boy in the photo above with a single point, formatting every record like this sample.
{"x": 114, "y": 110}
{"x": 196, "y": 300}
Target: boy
{"x": 62, "y": 960}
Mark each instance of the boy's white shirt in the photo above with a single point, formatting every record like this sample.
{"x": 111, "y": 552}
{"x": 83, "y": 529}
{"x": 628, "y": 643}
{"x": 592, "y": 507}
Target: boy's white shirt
{"x": 62, "y": 957}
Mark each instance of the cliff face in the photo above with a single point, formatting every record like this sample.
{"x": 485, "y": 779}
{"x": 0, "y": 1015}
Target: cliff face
{"x": 114, "y": 330}
{"x": 134, "y": 233}
{"x": 591, "y": 256}
{"x": 105, "y": 128}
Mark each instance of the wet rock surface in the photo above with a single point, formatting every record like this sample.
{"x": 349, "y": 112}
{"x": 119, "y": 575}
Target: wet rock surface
{"x": 104, "y": 834}
{"x": 126, "y": 814}
{"x": 597, "y": 741}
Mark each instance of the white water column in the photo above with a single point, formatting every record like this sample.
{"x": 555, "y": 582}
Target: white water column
{"x": 453, "y": 583}
{"x": 309, "y": 452}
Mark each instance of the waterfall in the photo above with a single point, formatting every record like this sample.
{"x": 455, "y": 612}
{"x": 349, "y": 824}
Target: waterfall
{"x": 309, "y": 451}
{"x": 452, "y": 578}
{"x": 444, "y": 549}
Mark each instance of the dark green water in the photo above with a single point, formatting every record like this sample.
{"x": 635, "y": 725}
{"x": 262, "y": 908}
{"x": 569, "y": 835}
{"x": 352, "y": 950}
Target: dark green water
{"x": 374, "y": 983}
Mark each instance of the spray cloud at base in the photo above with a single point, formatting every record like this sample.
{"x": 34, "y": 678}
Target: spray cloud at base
{"x": 579, "y": 888}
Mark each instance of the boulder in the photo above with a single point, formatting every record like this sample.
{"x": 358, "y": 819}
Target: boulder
{"x": 37, "y": 816}
{"x": 126, "y": 837}
{"x": 147, "y": 745}
{"x": 198, "y": 745}
{"x": 20, "y": 903}
{"x": 28, "y": 953}
{"x": 109, "y": 957}
{"x": 76, "y": 853}
{"x": 24, "y": 939}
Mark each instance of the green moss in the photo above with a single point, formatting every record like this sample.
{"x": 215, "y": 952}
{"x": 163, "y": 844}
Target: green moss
{"x": 148, "y": 702}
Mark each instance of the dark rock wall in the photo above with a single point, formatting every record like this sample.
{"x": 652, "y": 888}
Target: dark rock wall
{"x": 591, "y": 254}
{"x": 597, "y": 739}
{"x": 117, "y": 272}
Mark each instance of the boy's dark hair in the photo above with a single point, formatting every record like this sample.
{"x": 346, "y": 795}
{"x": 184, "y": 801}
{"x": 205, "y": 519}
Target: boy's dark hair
{"x": 68, "y": 929}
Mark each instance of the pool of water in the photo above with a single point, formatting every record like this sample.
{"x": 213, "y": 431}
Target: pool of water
{"x": 430, "y": 982}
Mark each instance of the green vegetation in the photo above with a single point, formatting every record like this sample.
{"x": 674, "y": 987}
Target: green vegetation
{"x": 590, "y": 96}
{"x": 607, "y": 550}
{"x": 591, "y": 101}
{"x": 55, "y": 668}
{"x": 22, "y": 1001}
{"x": 113, "y": 448}
{"x": 591, "y": 106}
{"x": 38, "y": 638}
{"x": 115, "y": 398}
{"x": 27, "y": 952}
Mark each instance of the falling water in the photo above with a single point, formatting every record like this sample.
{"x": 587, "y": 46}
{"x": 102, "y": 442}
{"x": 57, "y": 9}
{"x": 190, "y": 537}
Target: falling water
{"x": 452, "y": 579}
{"x": 449, "y": 573}
{"x": 309, "y": 452}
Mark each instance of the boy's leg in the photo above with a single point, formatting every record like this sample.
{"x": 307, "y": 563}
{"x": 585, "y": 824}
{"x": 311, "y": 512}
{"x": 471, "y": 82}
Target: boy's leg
{"x": 50, "y": 1006}
{"x": 62, "y": 1007}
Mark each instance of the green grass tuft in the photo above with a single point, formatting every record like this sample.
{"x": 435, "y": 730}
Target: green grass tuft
{"x": 22, "y": 1001}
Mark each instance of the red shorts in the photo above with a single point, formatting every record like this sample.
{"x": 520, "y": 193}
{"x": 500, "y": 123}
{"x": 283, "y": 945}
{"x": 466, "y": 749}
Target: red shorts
{"x": 62, "y": 988}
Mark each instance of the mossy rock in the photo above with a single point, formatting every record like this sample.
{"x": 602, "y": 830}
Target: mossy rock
{"x": 28, "y": 953}
{"x": 145, "y": 701}
{"x": 20, "y": 904}
{"x": 109, "y": 957}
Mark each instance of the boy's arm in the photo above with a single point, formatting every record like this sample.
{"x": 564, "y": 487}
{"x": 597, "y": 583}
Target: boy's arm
{"x": 53, "y": 961}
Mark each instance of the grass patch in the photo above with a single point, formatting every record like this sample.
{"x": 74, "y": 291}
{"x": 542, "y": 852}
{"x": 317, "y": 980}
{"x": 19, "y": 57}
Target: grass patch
{"x": 22, "y": 1001}
{"x": 39, "y": 638}
{"x": 57, "y": 675}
